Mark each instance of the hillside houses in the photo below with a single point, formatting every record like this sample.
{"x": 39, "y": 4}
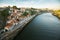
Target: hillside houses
{"x": 15, "y": 16}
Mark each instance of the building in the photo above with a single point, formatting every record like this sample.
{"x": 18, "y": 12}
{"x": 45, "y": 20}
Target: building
{"x": 13, "y": 18}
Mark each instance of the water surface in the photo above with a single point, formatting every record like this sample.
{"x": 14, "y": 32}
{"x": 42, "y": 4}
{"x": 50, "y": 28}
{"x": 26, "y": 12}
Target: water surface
{"x": 43, "y": 27}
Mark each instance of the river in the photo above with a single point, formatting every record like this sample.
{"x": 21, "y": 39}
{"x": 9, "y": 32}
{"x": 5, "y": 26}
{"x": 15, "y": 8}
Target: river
{"x": 43, "y": 27}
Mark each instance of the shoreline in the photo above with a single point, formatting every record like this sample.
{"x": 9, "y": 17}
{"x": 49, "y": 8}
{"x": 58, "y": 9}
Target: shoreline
{"x": 11, "y": 34}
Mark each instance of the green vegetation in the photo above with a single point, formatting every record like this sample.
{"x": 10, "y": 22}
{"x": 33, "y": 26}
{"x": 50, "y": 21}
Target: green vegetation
{"x": 56, "y": 13}
{"x": 25, "y": 13}
{"x": 14, "y": 7}
{"x": 33, "y": 12}
{"x": 30, "y": 12}
{"x": 4, "y": 14}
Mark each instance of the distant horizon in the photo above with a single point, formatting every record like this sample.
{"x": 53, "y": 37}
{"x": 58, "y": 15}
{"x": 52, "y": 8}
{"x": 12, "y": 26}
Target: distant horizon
{"x": 51, "y": 4}
{"x": 31, "y": 7}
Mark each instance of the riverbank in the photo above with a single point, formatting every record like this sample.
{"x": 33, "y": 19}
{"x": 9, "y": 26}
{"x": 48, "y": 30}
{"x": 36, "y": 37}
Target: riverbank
{"x": 42, "y": 27}
{"x": 12, "y": 33}
{"x": 56, "y": 13}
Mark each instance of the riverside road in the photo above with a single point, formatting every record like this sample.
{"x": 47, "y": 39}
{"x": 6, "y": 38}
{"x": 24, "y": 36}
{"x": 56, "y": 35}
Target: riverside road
{"x": 43, "y": 27}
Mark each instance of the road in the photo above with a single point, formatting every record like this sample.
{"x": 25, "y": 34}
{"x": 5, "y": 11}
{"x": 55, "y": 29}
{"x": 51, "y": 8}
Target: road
{"x": 43, "y": 27}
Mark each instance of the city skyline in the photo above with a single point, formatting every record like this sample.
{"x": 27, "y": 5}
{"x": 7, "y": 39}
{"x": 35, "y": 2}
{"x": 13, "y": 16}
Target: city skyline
{"x": 52, "y": 4}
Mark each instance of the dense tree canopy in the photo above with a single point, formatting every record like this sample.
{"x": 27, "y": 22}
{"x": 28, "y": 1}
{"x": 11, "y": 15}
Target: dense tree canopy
{"x": 15, "y": 7}
{"x": 25, "y": 13}
{"x": 4, "y": 14}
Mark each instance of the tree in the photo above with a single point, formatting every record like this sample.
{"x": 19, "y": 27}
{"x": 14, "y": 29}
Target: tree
{"x": 4, "y": 15}
{"x": 25, "y": 13}
{"x": 32, "y": 12}
{"x": 5, "y": 12}
{"x": 14, "y": 7}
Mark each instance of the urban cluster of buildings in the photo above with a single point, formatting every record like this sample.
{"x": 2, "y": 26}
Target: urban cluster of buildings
{"x": 15, "y": 16}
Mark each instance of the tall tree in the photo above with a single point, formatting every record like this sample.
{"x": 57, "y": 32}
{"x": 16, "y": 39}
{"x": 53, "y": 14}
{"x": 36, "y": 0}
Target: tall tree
{"x": 14, "y": 7}
{"x": 4, "y": 15}
{"x": 25, "y": 13}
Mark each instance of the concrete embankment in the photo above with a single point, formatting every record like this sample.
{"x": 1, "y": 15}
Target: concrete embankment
{"x": 13, "y": 32}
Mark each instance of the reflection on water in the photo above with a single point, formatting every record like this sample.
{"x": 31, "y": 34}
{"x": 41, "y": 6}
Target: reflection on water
{"x": 43, "y": 27}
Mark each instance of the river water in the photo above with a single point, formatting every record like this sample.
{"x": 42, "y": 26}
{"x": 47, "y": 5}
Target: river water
{"x": 43, "y": 27}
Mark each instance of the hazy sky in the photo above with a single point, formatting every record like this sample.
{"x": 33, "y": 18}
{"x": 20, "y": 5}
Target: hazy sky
{"x": 31, "y": 3}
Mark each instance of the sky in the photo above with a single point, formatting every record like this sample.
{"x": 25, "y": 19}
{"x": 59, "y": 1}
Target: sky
{"x": 31, "y": 3}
